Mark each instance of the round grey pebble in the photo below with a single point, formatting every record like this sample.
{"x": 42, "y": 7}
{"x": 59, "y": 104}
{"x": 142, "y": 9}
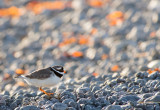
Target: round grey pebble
{"x": 112, "y": 99}
{"x": 141, "y": 82}
{"x": 112, "y": 83}
{"x": 3, "y": 107}
{"x": 88, "y": 107}
{"x": 17, "y": 108}
{"x": 84, "y": 101}
{"x": 2, "y": 100}
{"x": 73, "y": 104}
{"x": 82, "y": 90}
{"x": 59, "y": 106}
{"x": 29, "y": 107}
{"x": 13, "y": 105}
{"x": 41, "y": 103}
{"x": 71, "y": 108}
{"x": 149, "y": 107}
{"x": 95, "y": 88}
{"x": 66, "y": 94}
{"x": 67, "y": 101}
{"x": 113, "y": 107}
{"x": 129, "y": 98}
{"x": 54, "y": 100}
{"x": 6, "y": 93}
{"x": 154, "y": 75}
{"x": 103, "y": 101}
{"x": 141, "y": 75}
{"x": 153, "y": 99}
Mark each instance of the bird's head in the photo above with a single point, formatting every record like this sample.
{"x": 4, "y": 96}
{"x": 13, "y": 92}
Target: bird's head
{"x": 58, "y": 69}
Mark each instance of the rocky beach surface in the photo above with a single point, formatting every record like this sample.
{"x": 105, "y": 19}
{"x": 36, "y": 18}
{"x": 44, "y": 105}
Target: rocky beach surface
{"x": 109, "y": 48}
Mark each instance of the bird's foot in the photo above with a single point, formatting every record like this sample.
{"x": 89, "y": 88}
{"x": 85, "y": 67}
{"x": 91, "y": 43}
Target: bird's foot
{"x": 48, "y": 94}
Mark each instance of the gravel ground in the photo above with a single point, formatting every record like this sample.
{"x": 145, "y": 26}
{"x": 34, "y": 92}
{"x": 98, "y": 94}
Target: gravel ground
{"x": 110, "y": 49}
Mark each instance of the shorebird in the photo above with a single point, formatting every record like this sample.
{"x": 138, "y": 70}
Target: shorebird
{"x": 46, "y": 77}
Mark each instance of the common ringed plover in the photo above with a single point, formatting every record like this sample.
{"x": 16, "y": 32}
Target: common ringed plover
{"x": 46, "y": 77}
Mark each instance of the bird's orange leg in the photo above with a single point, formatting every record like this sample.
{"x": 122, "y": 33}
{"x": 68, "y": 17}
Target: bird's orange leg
{"x": 45, "y": 92}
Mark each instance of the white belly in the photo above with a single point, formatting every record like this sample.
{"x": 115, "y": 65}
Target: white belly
{"x": 51, "y": 81}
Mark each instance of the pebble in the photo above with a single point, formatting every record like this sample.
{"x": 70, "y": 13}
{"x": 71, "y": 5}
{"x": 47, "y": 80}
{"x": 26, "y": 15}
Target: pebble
{"x": 142, "y": 75}
{"x": 113, "y": 107}
{"x": 2, "y": 100}
{"x": 150, "y": 107}
{"x": 67, "y": 101}
{"x": 59, "y": 106}
{"x": 154, "y": 64}
{"x": 153, "y": 99}
{"x": 103, "y": 102}
{"x": 83, "y": 90}
{"x": 84, "y": 101}
{"x": 131, "y": 98}
{"x": 154, "y": 75}
{"x": 66, "y": 94}
{"x": 29, "y": 107}
{"x": 71, "y": 108}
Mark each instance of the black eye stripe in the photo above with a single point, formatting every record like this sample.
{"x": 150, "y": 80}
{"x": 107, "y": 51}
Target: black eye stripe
{"x": 58, "y": 68}
{"x": 56, "y": 72}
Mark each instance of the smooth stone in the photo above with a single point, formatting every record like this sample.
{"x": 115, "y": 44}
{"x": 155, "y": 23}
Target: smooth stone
{"x": 67, "y": 101}
{"x": 54, "y": 100}
{"x": 153, "y": 5}
{"x": 84, "y": 101}
{"x": 6, "y": 93}
{"x": 126, "y": 107}
{"x": 112, "y": 83}
{"x": 129, "y": 98}
{"x": 152, "y": 83}
{"x": 134, "y": 88}
{"x": 154, "y": 64}
{"x": 29, "y": 107}
{"x": 141, "y": 75}
{"x": 3, "y": 107}
{"x": 88, "y": 107}
{"x": 143, "y": 68}
{"x": 113, "y": 107}
{"x": 157, "y": 107}
{"x": 2, "y": 100}
{"x": 72, "y": 104}
{"x": 141, "y": 82}
{"x": 91, "y": 53}
{"x": 121, "y": 87}
{"x": 103, "y": 102}
{"x": 125, "y": 72}
{"x": 41, "y": 103}
{"x": 59, "y": 106}
{"x": 157, "y": 86}
{"x": 149, "y": 107}
{"x": 154, "y": 75}
{"x": 13, "y": 105}
{"x": 95, "y": 88}
{"x": 67, "y": 95}
{"x": 71, "y": 108}
{"x": 146, "y": 95}
{"x": 83, "y": 90}
{"x": 153, "y": 99}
